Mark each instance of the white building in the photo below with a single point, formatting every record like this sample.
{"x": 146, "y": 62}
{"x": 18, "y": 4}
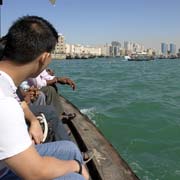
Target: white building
{"x": 60, "y": 46}
{"x": 95, "y": 51}
{"x": 105, "y": 50}
{"x": 80, "y": 50}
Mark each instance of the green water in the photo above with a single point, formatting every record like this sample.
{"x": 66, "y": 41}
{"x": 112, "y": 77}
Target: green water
{"x": 137, "y": 107}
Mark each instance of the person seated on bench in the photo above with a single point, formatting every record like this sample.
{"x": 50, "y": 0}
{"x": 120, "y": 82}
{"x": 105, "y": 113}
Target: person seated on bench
{"x": 24, "y": 52}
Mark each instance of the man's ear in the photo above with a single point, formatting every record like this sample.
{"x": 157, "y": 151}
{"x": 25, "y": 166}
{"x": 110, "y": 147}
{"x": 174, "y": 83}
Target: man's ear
{"x": 43, "y": 58}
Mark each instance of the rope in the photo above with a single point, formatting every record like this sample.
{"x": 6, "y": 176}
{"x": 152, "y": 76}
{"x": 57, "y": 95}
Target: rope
{"x": 43, "y": 121}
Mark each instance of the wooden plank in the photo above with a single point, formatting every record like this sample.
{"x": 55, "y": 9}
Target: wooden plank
{"x": 107, "y": 164}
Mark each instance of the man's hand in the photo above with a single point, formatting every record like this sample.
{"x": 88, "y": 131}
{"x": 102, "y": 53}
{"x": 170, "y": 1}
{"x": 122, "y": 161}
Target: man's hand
{"x": 31, "y": 95}
{"x": 65, "y": 80}
{"x": 36, "y": 132}
{"x": 85, "y": 172}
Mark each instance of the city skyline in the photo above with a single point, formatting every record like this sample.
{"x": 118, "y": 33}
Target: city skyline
{"x": 99, "y": 22}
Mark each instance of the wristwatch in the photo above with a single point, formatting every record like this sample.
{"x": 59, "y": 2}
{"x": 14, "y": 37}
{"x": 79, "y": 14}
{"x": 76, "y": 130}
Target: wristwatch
{"x": 80, "y": 166}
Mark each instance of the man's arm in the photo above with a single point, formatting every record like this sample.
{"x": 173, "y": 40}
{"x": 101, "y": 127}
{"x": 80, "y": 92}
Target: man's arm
{"x": 45, "y": 79}
{"x": 68, "y": 81}
{"x": 18, "y": 152}
{"x": 62, "y": 80}
{"x": 35, "y": 129}
{"x": 30, "y": 165}
{"x": 52, "y": 81}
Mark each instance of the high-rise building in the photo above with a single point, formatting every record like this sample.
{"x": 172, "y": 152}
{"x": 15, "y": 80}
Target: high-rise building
{"x": 115, "y": 48}
{"x": 164, "y": 49}
{"x": 172, "y": 48}
{"x": 126, "y": 45}
{"x": 116, "y": 43}
{"x": 129, "y": 46}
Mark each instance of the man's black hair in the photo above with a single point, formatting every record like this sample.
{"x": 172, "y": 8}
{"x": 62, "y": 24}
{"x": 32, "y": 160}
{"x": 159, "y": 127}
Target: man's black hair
{"x": 27, "y": 38}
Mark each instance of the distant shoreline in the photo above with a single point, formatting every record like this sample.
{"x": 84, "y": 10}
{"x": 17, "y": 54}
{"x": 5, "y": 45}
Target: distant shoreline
{"x": 108, "y": 57}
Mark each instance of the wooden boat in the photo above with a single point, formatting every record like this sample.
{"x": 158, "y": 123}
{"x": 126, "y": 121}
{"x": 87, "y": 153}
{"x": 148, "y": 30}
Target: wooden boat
{"x": 106, "y": 164}
{"x": 141, "y": 58}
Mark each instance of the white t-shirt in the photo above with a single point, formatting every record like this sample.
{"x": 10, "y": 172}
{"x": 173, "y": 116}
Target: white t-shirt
{"x": 14, "y": 137}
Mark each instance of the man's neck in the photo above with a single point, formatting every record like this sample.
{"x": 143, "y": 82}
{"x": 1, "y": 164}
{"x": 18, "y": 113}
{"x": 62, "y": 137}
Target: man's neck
{"x": 18, "y": 73}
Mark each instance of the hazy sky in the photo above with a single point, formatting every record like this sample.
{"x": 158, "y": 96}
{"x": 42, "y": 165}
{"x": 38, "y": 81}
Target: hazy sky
{"x": 100, "y": 21}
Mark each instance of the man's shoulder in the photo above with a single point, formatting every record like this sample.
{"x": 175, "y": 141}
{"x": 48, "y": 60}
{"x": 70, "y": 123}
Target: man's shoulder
{"x": 8, "y": 101}
{"x": 5, "y": 87}
{"x": 4, "y": 82}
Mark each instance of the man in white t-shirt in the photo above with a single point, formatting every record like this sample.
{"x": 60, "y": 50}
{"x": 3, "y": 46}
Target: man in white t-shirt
{"x": 24, "y": 52}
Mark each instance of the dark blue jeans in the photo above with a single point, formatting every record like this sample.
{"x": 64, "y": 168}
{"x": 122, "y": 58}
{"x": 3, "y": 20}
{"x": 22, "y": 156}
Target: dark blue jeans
{"x": 52, "y": 117}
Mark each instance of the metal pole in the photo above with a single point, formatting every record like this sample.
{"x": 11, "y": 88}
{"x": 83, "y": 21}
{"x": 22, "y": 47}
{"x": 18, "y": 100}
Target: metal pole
{"x": 1, "y": 2}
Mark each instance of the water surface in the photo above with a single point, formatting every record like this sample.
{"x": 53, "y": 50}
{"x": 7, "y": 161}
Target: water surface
{"x": 137, "y": 107}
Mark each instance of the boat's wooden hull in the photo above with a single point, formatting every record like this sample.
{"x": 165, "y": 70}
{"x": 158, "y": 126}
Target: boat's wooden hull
{"x": 107, "y": 164}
